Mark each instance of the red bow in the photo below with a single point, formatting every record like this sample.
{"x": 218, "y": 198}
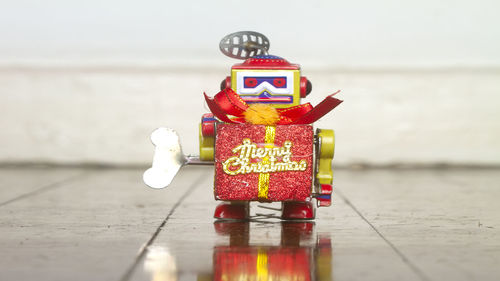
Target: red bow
{"x": 227, "y": 102}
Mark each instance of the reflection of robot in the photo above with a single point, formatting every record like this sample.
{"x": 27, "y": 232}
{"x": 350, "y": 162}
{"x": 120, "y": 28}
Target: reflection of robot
{"x": 259, "y": 136}
{"x": 300, "y": 255}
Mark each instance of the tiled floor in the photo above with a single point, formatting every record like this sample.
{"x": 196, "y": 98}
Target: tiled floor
{"x": 81, "y": 224}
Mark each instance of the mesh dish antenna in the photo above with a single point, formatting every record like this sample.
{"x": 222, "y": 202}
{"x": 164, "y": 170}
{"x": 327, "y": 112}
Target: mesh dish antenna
{"x": 244, "y": 44}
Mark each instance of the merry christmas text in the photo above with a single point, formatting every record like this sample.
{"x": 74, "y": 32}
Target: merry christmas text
{"x": 273, "y": 159}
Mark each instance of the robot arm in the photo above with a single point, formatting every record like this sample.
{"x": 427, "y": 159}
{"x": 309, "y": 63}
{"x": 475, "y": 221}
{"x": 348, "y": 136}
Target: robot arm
{"x": 207, "y": 137}
{"x": 325, "y": 147}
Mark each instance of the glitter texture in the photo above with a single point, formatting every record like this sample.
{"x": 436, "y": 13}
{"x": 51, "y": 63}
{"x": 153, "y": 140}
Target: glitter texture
{"x": 283, "y": 185}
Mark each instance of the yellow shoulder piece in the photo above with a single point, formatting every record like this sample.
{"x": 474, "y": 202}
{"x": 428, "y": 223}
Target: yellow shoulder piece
{"x": 206, "y": 147}
{"x": 326, "y": 139}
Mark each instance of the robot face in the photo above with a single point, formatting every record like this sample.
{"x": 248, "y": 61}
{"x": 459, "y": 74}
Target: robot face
{"x": 267, "y": 86}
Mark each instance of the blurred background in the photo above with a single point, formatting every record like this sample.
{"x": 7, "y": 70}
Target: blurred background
{"x": 86, "y": 82}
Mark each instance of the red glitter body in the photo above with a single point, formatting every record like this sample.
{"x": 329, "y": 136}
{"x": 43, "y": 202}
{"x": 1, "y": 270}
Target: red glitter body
{"x": 282, "y": 185}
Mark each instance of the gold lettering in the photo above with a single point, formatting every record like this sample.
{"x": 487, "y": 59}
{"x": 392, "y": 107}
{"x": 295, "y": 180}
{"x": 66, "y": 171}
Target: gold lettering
{"x": 278, "y": 159}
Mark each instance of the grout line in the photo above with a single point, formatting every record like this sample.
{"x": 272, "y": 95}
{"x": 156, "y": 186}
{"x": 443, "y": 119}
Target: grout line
{"x": 405, "y": 259}
{"x": 42, "y": 189}
{"x": 143, "y": 250}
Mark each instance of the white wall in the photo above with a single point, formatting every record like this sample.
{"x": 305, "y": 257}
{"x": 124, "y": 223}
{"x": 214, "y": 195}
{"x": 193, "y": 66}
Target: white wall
{"x": 87, "y": 81}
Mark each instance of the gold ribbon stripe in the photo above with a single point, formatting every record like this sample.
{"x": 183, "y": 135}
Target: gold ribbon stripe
{"x": 264, "y": 177}
{"x": 262, "y": 265}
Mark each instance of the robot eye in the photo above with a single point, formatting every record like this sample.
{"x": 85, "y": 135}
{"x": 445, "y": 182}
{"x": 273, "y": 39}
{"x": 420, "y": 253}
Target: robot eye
{"x": 279, "y": 82}
{"x": 250, "y": 82}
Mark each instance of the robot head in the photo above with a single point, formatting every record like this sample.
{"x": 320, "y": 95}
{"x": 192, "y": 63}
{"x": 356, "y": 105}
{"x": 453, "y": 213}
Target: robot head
{"x": 262, "y": 78}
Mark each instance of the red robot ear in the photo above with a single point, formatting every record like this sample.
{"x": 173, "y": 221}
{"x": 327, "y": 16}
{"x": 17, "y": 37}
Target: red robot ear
{"x": 305, "y": 87}
{"x": 226, "y": 83}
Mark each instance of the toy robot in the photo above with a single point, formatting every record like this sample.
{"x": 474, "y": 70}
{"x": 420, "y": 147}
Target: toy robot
{"x": 258, "y": 136}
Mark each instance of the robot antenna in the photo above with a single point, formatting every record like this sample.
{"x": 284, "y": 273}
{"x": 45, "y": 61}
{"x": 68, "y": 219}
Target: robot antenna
{"x": 244, "y": 44}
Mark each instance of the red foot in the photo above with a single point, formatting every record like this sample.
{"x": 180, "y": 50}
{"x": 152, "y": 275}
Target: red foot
{"x": 232, "y": 211}
{"x": 297, "y": 211}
